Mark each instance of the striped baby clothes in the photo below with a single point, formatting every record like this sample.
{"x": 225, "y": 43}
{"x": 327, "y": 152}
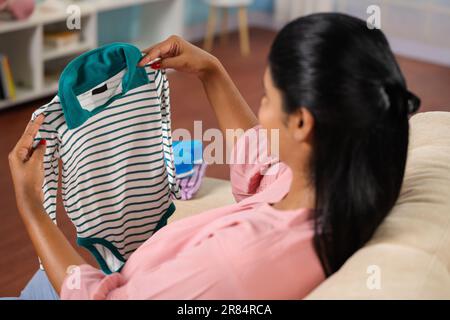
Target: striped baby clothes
{"x": 109, "y": 128}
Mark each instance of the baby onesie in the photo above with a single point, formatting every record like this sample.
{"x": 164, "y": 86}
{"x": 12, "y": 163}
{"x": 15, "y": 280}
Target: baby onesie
{"x": 109, "y": 127}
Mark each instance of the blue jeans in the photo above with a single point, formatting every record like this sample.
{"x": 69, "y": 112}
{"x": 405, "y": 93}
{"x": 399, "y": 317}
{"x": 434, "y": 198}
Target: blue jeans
{"x": 38, "y": 288}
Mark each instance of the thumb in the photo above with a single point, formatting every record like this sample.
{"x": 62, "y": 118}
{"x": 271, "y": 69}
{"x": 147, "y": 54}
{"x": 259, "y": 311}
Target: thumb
{"x": 176, "y": 63}
{"x": 39, "y": 152}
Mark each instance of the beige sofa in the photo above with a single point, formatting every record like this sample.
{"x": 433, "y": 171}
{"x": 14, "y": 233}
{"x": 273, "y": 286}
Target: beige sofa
{"x": 409, "y": 255}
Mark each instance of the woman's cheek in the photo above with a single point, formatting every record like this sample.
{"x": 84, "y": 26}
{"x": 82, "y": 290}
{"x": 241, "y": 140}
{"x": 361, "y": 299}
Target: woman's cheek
{"x": 265, "y": 116}
{"x": 262, "y": 115}
{"x": 269, "y": 119}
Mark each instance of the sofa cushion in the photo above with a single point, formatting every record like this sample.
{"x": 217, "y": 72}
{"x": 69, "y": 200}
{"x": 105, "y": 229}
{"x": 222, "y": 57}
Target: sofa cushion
{"x": 409, "y": 255}
{"x": 213, "y": 193}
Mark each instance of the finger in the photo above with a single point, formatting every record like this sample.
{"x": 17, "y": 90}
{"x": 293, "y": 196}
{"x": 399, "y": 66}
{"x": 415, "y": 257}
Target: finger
{"x": 165, "y": 49}
{"x": 147, "y": 50}
{"x": 170, "y": 63}
{"x": 149, "y": 56}
{"x": 30, "y": 131}
{"x": 38, "y": 153}
{"x": 25, "y": 142}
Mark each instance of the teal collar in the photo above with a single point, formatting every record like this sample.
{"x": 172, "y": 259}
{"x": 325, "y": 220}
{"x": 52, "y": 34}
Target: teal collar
{"x": 92, "y": 68}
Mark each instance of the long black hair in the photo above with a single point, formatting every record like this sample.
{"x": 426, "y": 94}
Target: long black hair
{"x": 346, "y": 75}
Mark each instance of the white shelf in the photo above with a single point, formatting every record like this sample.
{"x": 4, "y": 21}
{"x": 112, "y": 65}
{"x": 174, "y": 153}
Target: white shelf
{"x": 30, "y": 59}
{"x": 42, "y": 17}
{"x": 107, "y": 5}
{"x": 22, "y": 95}
{"x": 50, "y": 85}
{"x": 53, "y": 53}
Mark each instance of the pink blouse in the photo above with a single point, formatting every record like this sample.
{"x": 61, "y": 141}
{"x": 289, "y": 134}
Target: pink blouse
{"x": 247, "y": 250}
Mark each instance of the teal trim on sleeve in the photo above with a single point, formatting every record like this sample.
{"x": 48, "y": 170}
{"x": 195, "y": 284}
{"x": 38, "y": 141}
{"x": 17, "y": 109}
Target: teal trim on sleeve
{"x": 91, "y": 69}
{"x": 165, "y": 217}
{"x": 88, "y": 243}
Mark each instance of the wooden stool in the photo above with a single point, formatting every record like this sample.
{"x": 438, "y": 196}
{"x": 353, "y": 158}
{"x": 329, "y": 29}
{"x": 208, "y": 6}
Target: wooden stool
{"x": 224, "y": 6}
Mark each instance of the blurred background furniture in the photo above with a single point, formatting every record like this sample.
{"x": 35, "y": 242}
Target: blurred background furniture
{"x": 415, "y": 29}
{"x": 17, "y": 9}
{"x": 224, "y": 7}
{"x": 411, "y": 247}
{"x": 36, "y": 66}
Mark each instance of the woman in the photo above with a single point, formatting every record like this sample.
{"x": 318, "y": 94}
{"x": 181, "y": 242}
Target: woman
{"x": 335, "y": 92}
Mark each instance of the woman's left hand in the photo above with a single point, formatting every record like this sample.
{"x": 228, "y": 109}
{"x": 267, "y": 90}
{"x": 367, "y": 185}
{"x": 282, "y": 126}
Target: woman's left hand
{"x": 27, "y": 170}
{"x": 26, "y": 165}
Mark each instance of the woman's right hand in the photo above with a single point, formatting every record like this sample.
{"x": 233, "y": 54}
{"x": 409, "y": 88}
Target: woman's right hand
{"x": 176, "y": 53}
{"x": 231, "y": 110}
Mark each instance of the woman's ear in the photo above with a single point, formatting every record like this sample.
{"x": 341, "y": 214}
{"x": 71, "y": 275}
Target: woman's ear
{"x": 301, "y": 124}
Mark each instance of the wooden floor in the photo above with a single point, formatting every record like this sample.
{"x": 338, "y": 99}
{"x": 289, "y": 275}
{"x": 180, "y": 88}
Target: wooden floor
{"x": 18, "y": 261}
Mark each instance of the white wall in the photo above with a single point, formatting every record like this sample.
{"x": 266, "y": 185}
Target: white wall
{"x": 416, "y": 28}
